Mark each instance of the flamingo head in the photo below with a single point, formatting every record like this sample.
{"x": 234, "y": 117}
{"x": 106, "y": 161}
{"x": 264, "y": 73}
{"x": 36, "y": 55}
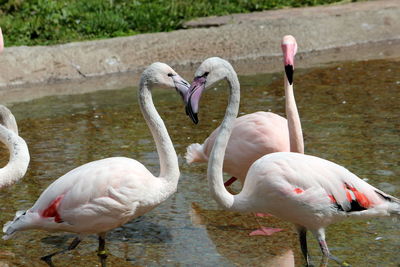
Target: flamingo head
{"x": 289, "y": 49}
{"x": 161, "y": 75}
{"x": 7, "y": 119}
{"x": 209, "y": 72}
{"x": 1, "y": 41}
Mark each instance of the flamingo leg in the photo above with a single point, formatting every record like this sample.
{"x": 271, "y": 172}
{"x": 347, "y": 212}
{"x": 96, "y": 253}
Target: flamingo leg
{"x": 102, "y": 253}
{"x": 230, "y": 181}
{"x": 72, "y": 246}
{"x": 320, "y": 235}
{"x": 303, "y": 244}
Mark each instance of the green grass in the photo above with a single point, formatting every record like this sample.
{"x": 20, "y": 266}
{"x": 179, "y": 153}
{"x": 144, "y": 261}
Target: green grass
{"x": 43, "y": 22}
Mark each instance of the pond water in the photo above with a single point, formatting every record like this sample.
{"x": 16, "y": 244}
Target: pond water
{"x": 350, "y": 114}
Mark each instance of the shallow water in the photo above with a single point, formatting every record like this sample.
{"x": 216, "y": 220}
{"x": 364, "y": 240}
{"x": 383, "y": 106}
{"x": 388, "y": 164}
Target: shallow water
{"x": 350, "y": 114}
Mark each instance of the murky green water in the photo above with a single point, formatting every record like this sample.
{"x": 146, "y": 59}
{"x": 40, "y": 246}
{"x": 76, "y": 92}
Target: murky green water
{"x": 350, "y": 114}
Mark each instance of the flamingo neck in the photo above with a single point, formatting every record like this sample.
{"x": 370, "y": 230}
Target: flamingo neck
{"x": 169, "y": 168}
{"x": 215, "y": 162}
{"x": 19, "y": 157}
{"x": 293, "y": 119}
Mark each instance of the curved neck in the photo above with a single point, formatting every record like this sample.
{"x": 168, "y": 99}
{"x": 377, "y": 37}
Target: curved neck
{"x": 19, "y": 157}
{"x": 293, "y": 119}
{"x": 169, "y": 167}
{"x": 215, "y": 162}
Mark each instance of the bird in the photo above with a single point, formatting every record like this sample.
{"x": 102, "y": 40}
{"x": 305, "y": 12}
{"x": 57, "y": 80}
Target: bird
{"x": 101, "y": 195}
{"x": 308, "y": 191}
{"x": 19, "y": 153}
{"x": 1, "y": 41}
{"x": 258, "y": 133}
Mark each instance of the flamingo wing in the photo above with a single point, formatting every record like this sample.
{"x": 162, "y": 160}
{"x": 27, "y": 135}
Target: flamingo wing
{"x": 297, "y": 186}
{"x": 106, "y": 188}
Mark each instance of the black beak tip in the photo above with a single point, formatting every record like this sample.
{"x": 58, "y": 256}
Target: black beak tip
{"x": 195, "y": 119}
{"x": 289, "y": 73}
{"x": 191, "y": 114}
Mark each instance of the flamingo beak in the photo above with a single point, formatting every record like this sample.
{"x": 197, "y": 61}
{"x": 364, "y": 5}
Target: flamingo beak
{"x": 289, "y": 70}
{"x": 181, "y": 86}
{"x": 192, "y": 102}
{"x": 289, "y": 50}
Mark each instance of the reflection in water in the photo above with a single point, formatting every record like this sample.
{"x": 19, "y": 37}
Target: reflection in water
{"x": 230, "y": 234}
{"x": 350, "y": 115}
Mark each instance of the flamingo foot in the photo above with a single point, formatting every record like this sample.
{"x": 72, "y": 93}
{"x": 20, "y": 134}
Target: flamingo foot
{"x": 265, "y": 231}
{"x": 102, "y": 256}
{"x": 47, "y": 259}
{"x": 230, "y": 181}
{"x": 259, "y": 214}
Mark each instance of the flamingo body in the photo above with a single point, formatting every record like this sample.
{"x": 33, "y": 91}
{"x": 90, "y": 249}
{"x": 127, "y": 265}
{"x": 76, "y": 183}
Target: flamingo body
{"x": 311, "y": 191}
{"x": 253, "y": 136}
{"x": 94, "y": 198}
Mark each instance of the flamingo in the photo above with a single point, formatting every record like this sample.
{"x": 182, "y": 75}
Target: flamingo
{"x": 104, "y": 194}
{"x": 258, "y": 133}
{"x": 19, "y": 152}
{"x": 308, "y": 191}
{"x": 1, "y": 41}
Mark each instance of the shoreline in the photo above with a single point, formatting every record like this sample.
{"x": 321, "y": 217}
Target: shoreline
{"x": 326, "y": 34}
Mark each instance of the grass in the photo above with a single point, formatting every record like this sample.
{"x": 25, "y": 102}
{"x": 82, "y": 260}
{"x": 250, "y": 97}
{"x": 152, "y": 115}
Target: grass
{"x": 44, "y": 22}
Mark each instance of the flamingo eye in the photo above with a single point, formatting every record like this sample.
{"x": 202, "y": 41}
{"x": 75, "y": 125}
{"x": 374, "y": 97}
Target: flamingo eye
{"x": 170, "y": 74}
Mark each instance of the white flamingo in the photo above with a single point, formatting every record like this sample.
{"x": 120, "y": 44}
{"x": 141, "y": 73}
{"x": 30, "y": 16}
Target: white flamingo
{"x": 308, "y": 191}
{"x": 19, "y": 154}
{"x": 259, "y": 133}
{"x": 104, "y": 194}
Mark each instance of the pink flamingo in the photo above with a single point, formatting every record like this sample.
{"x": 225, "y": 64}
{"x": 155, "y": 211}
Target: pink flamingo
{"x": 258, "y": 133}
{"x": 1, "y": 41}
{"x": 19, "y": 153}
{"x": 104, "y": 194}
{"x": 308, "y": 191}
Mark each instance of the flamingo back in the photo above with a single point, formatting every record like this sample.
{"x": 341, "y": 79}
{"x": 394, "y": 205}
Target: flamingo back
{"x": 253, "y": 136}
{"x": 311, "y": 191}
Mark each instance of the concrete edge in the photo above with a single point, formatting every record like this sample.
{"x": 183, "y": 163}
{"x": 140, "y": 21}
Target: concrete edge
{"x": 356, "y": 31}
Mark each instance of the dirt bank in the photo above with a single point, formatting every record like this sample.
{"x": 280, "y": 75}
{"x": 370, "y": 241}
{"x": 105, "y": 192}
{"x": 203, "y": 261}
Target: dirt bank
{"x": 353, "y": 31}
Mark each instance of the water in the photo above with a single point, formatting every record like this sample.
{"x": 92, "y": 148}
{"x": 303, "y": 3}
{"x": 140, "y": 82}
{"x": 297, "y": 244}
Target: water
{"x": 350, "y": 114}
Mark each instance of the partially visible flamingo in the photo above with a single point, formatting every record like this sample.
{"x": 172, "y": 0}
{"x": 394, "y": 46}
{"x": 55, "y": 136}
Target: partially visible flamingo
{"x": 104, "y": 194}
{"x": 258, "y": 133}
{"x": 19, "y": 153}
{"x": 308, "y": 191}
{"x": 1, "y": 41}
